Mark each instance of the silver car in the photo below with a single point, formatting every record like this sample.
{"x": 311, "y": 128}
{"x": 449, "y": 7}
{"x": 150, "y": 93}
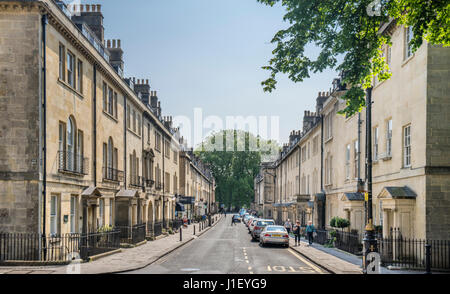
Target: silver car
{"x": 274, "y": 235}
{"x": 259, "y": 227}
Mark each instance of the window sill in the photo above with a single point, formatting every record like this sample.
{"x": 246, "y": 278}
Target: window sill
{"x": 387, "y": 158}
{"x": 328, "y": 140}
{"x": 134, "y": 133}
{"x": 408, "y": 59}
{"x": 70, "y": 88}
{"x": 110, "y": 116}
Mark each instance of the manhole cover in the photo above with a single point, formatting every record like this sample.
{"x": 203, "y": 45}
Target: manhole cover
{"x": 189, "y": 269}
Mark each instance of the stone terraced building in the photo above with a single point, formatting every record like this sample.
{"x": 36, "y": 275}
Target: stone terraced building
{"x": 320, "y": 173}
{"x": 81, "y": 146}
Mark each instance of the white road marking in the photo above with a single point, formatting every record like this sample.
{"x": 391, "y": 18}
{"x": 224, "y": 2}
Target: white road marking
{"x": 317, "y": 269}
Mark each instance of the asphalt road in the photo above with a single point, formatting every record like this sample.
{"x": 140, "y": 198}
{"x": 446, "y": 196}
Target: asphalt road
{"x": 227, "y": 249}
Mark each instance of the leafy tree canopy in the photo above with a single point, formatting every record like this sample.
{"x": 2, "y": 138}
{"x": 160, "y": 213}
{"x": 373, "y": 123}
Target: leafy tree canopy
{"x": 350, "y": 29}
{"x": 234, "y": 157}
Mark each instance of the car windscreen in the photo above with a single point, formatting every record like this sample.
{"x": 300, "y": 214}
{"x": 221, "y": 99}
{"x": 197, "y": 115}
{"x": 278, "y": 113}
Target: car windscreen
{"x": 275, "y": 229}
{"x": 265, "y": 223}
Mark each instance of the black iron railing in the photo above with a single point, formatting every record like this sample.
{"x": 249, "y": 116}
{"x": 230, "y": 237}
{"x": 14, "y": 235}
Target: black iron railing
{"x": 149, "y": 183}
{"x": 72, "y": 163}
{"x": 175, "y": 224}
{"x": 136, "y": 181}
{"x": 112, "y": 174}
{"x": 396, "y": 250}
{"x": 158, "y": 186}
{"x": 132, "y": 234}
{"x": 55, "y": 248}
{"x": 349, "y": 242}
{"x": 157, "y": 229}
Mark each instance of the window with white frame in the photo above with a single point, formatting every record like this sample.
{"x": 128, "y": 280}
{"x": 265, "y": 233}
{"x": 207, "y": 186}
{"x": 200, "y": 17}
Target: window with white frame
{"x": 347, "y": 162}
{"x": 105, "y": 97}
{"x": 111, "y": 212}
{"x": 70, "y": 69}
{"x": 54, "y": 212}
{"x": 62, "y": 54}
{"x": 407, "y": 146}
{"x": 409, "y": 35}
{"x": 73, "y": 214}
{"x": 110, "y": 101}
{"x": 389, "y": 138}
{"x": 80, "y": 76}
{"x": 101, "y": 213}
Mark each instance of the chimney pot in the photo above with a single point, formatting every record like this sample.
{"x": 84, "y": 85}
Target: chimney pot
{"x": 146, "y": 81}
{"x": 88, "y": 7}
{"x": 118, "y": 43}
{"x": 114, "y": 43}
{"x": 108, "y": 44}
{"x": 99, "y": 8}
{"x": 93, "y": 7}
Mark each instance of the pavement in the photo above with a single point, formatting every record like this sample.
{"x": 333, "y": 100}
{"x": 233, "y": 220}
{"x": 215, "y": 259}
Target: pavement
{"x": 126, "y": 260}
{"x": 228, "y": 249}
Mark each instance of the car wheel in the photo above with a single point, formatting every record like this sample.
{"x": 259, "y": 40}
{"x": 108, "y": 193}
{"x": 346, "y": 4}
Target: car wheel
{"x": 262, "y": 244}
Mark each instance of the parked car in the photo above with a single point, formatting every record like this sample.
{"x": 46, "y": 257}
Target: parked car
{"x": 274, "y": 235}
{"x": 245, "y": 218}
{"x": 236, "y": 218}
{"x": 259, "y": 227}
{"x": 252, "y": 224}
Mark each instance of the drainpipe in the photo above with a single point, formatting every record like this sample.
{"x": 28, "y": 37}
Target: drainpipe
{"x": 321, "y": 173}
{"x": 164, "y": 179}
{"x": 95, "y": 126}
{"x": 125, "y": 141}
{"x": 359, "y": 150}
{"x": 44, "y": 125}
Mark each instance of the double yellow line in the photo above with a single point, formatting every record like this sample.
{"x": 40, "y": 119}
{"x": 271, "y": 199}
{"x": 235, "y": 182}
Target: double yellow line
{"x": 314, "y": 267}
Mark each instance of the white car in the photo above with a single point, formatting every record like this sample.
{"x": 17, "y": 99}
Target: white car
{"x": 274, "y": 235}
{"x": 259, "y": 227}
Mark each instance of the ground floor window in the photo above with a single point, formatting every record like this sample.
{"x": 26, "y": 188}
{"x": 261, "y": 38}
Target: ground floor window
{"x": 54, "y": 211}
{"x": 73, "y": 214}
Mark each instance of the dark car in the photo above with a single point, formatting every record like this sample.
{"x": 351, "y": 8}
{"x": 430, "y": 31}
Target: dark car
{"x": 236, "y": 218}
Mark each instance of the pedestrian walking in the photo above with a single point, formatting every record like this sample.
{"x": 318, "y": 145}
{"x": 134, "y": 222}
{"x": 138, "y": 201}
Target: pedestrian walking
{"x": 288, "y": 226}
{"x": 310, "y": 230}
{"x": 296, "y": 231}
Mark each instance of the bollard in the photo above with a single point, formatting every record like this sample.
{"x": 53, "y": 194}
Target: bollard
{"x": 428, "y": 258}
{"x": 181, "y": 235}
{"x": 194, "y": 229}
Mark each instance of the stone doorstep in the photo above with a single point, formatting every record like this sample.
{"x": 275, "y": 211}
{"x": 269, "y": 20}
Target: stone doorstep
{"x": 327, "y": 261}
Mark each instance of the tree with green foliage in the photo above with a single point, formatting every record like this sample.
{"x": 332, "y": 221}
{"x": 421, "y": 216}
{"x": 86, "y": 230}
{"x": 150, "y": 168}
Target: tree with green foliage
{"x": 349, "y": 29}
{"x": 235, "y": 164}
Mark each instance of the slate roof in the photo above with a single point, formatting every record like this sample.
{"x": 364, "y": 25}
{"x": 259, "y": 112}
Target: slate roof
{"x": 400, "y": 192}
{"x": 354, "y": 196}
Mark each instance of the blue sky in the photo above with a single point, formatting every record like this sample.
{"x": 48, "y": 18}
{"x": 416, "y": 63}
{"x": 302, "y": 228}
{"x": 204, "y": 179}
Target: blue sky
{"x": 208, "y": 54}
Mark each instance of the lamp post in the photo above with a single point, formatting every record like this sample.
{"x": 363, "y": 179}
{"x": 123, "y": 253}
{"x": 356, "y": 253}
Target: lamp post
{"x": 370, "y": 243}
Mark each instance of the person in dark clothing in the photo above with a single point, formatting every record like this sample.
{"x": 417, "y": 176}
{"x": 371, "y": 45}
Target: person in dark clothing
{"x": 296, "y": 231}
{"x": 310, "y": 230}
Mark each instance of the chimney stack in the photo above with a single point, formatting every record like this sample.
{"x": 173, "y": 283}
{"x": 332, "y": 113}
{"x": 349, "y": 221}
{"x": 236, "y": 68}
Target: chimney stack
{"x": 116, "y": 55}
{"x": 143, "y": 88}
{"x": 91, "y": 16}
